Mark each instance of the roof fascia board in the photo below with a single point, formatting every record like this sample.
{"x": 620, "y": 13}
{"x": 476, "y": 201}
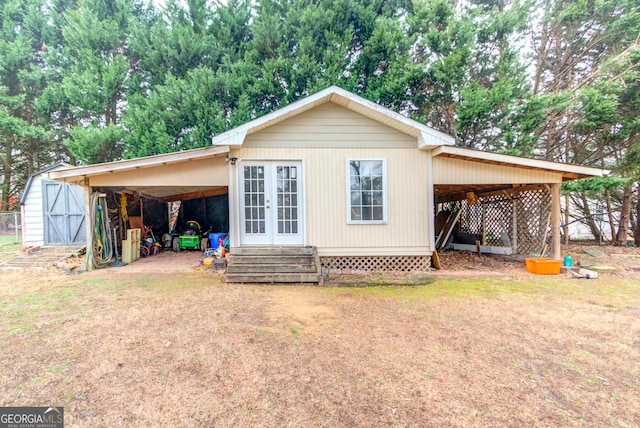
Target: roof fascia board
{"x": 232, "y": 139}
{"x": 146, "y": 162}
{"x": 430, "y": 140}
{"x": 565, "y": 169}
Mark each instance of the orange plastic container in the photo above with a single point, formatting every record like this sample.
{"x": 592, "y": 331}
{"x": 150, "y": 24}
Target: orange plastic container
{"x": 543, "y": 266}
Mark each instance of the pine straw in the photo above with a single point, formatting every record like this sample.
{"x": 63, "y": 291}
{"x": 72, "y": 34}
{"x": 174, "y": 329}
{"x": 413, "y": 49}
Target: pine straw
{"x": 189, "y": 350}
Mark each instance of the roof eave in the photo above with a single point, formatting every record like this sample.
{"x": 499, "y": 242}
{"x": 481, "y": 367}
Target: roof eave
{"x": 139, "y": 163}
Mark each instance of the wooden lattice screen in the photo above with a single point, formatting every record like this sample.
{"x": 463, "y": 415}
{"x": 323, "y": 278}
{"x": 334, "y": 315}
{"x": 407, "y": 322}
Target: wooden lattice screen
{"x": 376, "y": 263}
{"x": 495, "y": 218}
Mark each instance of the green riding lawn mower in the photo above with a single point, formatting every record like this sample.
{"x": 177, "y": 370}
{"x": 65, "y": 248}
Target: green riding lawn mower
{"x": 191, "y": 238}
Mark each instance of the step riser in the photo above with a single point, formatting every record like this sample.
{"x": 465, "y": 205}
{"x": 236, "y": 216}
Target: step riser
{"x": 241, "y": 269}
{"x": 273, "y": 251}
{"x": 273, "y": 279}
{"x": 234, "y": 259}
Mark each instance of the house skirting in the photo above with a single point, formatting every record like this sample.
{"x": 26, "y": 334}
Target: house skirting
{"x": 345, "y": 264}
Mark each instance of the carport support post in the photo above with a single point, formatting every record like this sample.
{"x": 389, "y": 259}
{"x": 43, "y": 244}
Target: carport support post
{"x": 555, "y": 221}
{"x": 87, "y": 223}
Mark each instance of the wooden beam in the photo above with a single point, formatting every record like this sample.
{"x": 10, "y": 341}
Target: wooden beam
{"x": 87, "y": 223}
{"x": 214, "y": 191}
{"x": 511, "y": 190}
{"x": 555, "y": 221}
{"x": 508, "y": 189}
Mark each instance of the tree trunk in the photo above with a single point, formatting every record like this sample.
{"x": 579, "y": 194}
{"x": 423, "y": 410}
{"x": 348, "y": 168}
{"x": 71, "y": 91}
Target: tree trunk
{"x": 636, "y": 230}
{"x": 625, "y": 212}
{"x": 612, "y": 221}
{"x": 595, "y": 231}
{"x": 6, "y": 179}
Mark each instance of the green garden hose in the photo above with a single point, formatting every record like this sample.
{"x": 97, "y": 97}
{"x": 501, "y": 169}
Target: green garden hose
{"x": 101, "y": 250}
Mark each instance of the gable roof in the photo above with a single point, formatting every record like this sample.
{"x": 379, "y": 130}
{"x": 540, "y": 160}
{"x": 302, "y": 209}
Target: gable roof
{"x": 428, "y": 137}
{"x": 569, "y": 172}
{"x": 56, "y": 165}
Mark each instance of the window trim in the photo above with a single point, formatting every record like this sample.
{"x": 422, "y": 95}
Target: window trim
{"x": 384, "y": 191}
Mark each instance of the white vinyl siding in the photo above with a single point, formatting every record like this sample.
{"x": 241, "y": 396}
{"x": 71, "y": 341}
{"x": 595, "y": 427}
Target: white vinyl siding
{"x": 197, "y": 172}
{"x": 366, "y": 191}
{"x": 33, "y": 221}
{"x": 459, "y": 171}
{"x": 407, "y": 229}
{"x": 324, "y": 138}
{"x": 330, "y": 125}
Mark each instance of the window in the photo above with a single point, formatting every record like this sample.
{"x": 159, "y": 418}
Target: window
{"x": 599, "y": 215}
{"x": 366, "y": 201}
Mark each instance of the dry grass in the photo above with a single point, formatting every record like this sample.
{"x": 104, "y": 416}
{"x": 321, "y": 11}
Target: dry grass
{"x": 188, "y": 350}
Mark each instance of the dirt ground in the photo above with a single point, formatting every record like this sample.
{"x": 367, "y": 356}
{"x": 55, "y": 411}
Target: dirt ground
{"x": 616, "y": 261}
{"x": 501, "y": 347}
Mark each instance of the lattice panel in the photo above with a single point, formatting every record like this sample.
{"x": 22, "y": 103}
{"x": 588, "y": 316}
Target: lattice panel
{"x": 377, "y": 263}
{"x": 533, "y": 213}
{"x": 493, "y": 219}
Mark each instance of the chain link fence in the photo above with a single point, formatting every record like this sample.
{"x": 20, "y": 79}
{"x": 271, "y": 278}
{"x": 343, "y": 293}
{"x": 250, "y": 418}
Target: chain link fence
{"x": 9, "y": 226}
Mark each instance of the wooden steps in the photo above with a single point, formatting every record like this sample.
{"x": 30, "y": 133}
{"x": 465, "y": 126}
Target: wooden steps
{"x": 274, "y": 265}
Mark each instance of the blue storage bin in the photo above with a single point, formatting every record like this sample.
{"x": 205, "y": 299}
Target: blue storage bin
{"x": 214, "y": 239}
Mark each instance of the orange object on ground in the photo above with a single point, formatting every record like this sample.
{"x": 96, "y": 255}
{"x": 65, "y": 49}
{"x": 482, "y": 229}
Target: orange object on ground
{"x": 543, "y": 266}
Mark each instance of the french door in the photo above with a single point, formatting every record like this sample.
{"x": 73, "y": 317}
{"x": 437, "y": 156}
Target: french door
{"x": 271, "y": 208}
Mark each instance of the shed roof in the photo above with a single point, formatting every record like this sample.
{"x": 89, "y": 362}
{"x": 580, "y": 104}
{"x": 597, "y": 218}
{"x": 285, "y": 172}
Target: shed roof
{"x": 56, "y": 165}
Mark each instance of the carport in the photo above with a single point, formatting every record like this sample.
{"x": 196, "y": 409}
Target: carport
{"x": 184, "y": 176}
{"x": 506, "y": 204}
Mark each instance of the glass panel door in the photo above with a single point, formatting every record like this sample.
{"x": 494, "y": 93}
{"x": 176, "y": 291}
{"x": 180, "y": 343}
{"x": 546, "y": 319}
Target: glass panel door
{"x": 287, "y": 197}
{"x": 271, "y": 203}
{"x": 254, "y": 200}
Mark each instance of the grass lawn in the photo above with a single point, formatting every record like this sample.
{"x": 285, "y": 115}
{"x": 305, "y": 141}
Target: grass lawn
{"x": 188, "y": 350}
{"x": 8, "y": 247}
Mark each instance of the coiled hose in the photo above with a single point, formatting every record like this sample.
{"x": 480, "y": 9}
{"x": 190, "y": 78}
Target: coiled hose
{"x": 101, "y": 250}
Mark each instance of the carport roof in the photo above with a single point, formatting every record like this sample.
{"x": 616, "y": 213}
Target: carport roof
{"x": 80, "y": 172}
{"x": 165, "y": 192}
{"x": 569, "y": 172}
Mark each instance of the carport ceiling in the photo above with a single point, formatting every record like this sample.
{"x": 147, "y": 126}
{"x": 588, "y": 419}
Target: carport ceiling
{"x": 458, "y": 192}
{"x": 174, "y": 193}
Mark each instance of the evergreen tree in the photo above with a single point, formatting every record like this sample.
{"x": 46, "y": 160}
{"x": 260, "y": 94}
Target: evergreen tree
{"x": 193, "y": 78}
{"x": 95, "y": 69}
{"x": 25, "y": 140}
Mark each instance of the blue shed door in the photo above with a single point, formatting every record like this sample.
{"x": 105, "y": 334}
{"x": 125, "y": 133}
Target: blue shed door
{"x": 64, "y": 216}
